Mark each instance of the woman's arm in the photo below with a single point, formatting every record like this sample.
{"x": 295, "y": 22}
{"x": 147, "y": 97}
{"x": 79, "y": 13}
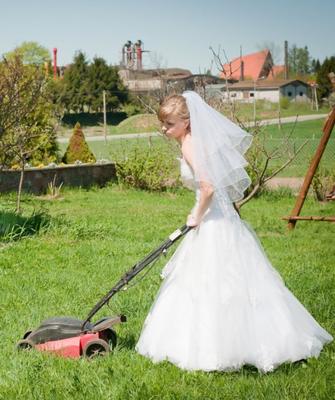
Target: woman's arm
{"x": 206, "y": 189}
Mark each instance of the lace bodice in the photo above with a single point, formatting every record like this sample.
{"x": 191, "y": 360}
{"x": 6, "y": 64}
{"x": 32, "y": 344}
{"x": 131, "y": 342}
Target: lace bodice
{"x": 218, "y": 204}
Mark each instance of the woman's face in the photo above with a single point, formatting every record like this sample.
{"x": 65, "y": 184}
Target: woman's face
{"x": 174, "y": 127}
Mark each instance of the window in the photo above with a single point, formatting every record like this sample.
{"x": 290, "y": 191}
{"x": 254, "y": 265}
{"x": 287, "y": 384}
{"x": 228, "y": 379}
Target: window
{"x": 301, "y": 94}
{"x": 251, "y": 94}
{"x": 289, "y": 94}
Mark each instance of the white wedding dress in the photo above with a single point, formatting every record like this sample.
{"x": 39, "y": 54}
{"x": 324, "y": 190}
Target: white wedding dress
{"x": 222, "y": 305}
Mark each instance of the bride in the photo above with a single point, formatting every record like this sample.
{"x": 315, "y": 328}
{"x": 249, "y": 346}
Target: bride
{"x": 221, "y": 305}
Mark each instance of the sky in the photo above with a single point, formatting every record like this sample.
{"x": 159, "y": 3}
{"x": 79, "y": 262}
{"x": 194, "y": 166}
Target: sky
{"x": 177, "y": 33}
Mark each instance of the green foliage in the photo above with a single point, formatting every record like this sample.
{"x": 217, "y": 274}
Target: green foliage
{"x": 82, "y": 86}
{"x": 78, "y": 149}
{"x": 322, "y": 183}
{"x": 30, "y": 53}
{"x": 73, "y": 88}
{"x": 131, "y": 109}
{"x": 151, "y": 168}
{"x": 102, "y": 77}
{"x": 299, "y": 61}
{"x": 324, "y": 84}
{"x": 27, "y": 116}
{"x": 284, "y": 102}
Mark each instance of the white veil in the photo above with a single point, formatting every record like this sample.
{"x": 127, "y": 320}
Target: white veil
{"x": 218, "y": 148}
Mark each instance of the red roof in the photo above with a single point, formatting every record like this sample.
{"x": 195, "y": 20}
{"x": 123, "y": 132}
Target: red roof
{"x": 277, "y": 70}
{"x": 253, "y": 65}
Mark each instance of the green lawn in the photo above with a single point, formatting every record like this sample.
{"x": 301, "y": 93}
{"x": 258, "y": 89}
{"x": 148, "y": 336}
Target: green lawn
{"x": 93, "y": 238}
{"x": 306, "y": 130}
{"x": 118, "y": 123}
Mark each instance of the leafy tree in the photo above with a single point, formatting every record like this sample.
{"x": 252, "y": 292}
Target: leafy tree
{"x": 74, "y": 84}
{"x": 102, "y": 77}
{"x": 322, "y": 78}
{"x": 30, "y": 53}
{"x": 299, "y": 61}
{"x": 83, "y": 84}
{"x": 315, "y": 65}
{"x": 77, "y": 149}
{"x": 27, "y": 117}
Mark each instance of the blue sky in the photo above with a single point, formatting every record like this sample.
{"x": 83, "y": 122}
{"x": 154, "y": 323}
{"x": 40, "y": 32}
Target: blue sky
{"x": 178, "y": 33}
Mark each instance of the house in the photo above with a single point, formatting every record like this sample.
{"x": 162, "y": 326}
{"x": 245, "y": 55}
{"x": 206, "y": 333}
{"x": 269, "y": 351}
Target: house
{"x": 252, "y": 66}
{"x": 271, "y": 90}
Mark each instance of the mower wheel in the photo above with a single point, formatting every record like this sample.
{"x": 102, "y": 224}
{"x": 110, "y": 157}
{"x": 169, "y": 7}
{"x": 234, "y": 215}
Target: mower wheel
{"x": 96, "y": 348}
{"x": 24, "y": 344}
{"x": 111, "y": 337}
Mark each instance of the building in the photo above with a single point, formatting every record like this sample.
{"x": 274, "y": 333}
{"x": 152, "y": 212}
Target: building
{"x": 176, "y": 79}
{"x": 143, "y": 81}
{"x": 271, "y": 90}
{"x": 252, "y": 66}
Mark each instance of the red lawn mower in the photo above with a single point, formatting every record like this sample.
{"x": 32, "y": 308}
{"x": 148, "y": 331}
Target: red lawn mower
{"x": 70, "y": 337}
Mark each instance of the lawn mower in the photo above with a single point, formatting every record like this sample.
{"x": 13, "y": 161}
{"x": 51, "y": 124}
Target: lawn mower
{"x": 70, "y": 337}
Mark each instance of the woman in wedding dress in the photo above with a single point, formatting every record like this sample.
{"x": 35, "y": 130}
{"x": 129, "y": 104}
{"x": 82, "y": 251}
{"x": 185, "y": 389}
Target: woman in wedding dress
{"x": 221, "y": 304}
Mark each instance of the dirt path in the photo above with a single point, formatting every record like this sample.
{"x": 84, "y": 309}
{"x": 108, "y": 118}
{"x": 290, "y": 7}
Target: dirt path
{"x": 292, "y": 183}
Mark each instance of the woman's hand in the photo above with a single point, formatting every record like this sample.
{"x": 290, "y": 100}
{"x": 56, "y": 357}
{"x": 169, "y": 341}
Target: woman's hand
{"x": 192, "y": 221}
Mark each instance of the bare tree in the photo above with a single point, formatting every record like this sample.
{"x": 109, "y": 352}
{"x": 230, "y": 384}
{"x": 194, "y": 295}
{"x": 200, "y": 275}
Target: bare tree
{"x": 267, "y": 161}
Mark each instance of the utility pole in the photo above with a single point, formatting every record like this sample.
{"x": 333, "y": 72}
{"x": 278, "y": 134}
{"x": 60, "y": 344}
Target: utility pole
{"x": 105, "y": 117}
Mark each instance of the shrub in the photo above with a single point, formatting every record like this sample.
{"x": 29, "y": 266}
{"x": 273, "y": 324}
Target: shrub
{"x": 322, "y": 183}
{"x": 78, "y": 149}
{"x": 151, "y": 168}
{"x": 284, "y": 102}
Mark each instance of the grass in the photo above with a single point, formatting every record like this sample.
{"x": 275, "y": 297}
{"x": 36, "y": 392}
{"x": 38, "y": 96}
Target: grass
{"x": 118, "y": 123}
{"x": 311, "y": 130}
{"x": 93, "y": 237}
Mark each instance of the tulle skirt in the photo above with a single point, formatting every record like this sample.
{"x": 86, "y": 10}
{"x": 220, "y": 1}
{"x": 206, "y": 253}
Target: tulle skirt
{"x": 222, "y": 305}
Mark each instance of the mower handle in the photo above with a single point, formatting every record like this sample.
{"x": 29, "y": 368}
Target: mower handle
{"x": 137, "y": 268}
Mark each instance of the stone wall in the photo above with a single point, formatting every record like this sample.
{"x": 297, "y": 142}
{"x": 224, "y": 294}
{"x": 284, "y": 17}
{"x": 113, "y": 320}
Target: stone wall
{"x": 36, "y": 180}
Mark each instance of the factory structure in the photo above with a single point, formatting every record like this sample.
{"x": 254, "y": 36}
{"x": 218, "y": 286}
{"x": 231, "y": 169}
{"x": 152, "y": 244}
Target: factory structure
{"x": 246, "y": 78}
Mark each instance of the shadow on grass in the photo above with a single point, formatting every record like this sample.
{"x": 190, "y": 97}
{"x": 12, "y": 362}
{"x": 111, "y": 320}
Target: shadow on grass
{"x": 93, "y": 119}
{"x": 127, "y": 342}
{"x": 14, "y": 226}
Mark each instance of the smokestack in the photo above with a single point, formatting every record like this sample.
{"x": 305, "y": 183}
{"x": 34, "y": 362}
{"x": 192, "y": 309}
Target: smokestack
{"x": 286, "y": 59}
{"x": 139, "y": 54}
{"x": 55, "y": 62}
{"x": 242, "y": 71}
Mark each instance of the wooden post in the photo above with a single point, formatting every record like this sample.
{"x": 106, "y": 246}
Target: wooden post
{"x": 327, "y": 129}
{"x": 105, "y": 118}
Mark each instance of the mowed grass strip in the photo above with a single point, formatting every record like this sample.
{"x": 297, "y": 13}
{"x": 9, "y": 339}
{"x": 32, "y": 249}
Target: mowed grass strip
{"x": 97, "y": 235}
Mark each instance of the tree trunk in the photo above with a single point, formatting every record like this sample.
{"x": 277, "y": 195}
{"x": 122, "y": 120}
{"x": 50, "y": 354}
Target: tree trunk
{"x": 19, "y": 191}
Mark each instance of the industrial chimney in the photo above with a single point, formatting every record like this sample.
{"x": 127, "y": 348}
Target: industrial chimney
{"x": 55, "y": 62}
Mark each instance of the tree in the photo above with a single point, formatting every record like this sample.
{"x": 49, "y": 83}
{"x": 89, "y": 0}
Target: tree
{"x": 74, "y": 84}
{"x": 299, "y": 61}
{"x": 77, "y": 149}
{"x": 30, "y": 53}
{"x": 83, "y": 83}
{"x": 315, "y": 66}
{"x": 275, "y": 50}
{"x": 101, "y": 77}
{"x": 28, "y": 119}
{"x": 322, "y": 78}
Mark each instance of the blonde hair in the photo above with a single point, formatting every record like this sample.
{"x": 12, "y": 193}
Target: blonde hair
{"x": 174, "y": 105}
